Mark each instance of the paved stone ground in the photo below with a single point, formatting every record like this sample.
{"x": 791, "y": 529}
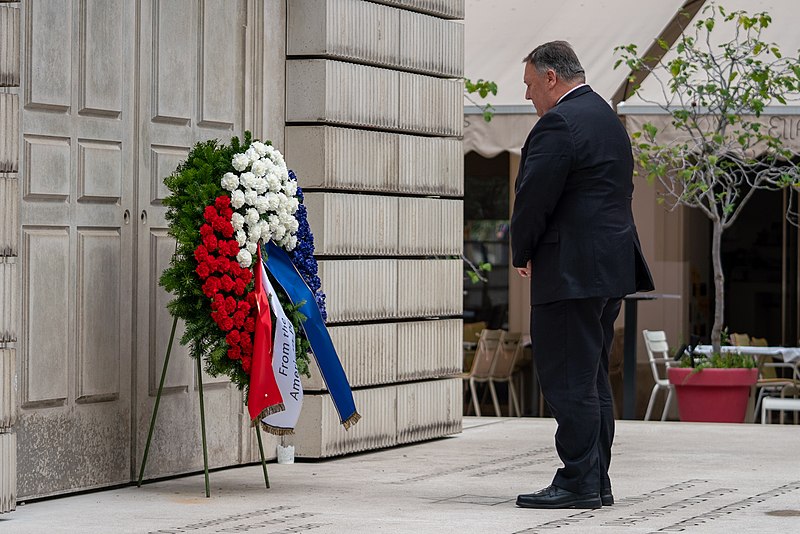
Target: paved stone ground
{"x": 668, "y": 477}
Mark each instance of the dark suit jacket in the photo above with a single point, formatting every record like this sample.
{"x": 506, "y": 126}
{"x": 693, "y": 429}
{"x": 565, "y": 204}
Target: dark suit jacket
{"x": 572, "y": 214}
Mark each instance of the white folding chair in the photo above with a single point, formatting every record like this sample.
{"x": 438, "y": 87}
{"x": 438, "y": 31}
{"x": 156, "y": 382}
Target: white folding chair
{"x": 508, "y": 352}
{"x": 655, "y": 341}
{"x": 482, "y": 364}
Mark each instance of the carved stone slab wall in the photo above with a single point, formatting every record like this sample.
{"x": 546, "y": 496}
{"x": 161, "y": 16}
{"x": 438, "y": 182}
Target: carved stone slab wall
{"x": 386, "y": 353}
{"x": 391, "y": 415}
{"x": 348, "y": 159}
{"x": 9, "y": 228}
{"x": 8, "y": 474}
{"x": 9, "y": 44}
{"x": 374, "y": 111}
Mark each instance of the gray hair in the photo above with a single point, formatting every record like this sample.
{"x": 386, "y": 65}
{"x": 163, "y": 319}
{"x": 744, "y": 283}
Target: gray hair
{"x": 559, "y": 56}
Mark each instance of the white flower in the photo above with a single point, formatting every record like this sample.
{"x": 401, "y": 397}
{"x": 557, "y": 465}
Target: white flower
{"x": 261, "y": 204}
{"x": 251, "y": 217}
{"x": 237, "y": 220}
{"x": 252, "y": 247}
{"x": 273, "y": 182}
{"x": 240, "y": 162}
{"x": 237, "y": 199}
{"x": 250, "y": 197}
{"x": 263, "y": 228}
{"x": 241, "y": 237}
{"x": 260, "y": 167}
{"x": 229, "y": 181}
{"x": 290, "y": 188}
{"x": 244, "y": 258}
{"x": 294, "y": 203}
{"x": 246, "y": 179}
{"x": 292, "y": 242}
{"x": 292, "y": 225}
{"x": 252, "y": 155}
{"x": 259, "y": 147}
{"x": 260, "y": 185}
{"x": 272, "y": 201}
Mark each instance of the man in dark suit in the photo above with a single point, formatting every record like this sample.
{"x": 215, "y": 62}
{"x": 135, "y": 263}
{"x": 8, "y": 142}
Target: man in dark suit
{"x": 572, "y": 233}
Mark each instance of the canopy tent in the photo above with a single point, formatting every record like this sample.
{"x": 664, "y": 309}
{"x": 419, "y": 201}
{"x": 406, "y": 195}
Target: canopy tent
{"x": 499, "y": 34}
{"x": 652, "y": 102}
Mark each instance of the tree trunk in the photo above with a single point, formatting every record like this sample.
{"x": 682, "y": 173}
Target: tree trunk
{"x": 719, "y": 287}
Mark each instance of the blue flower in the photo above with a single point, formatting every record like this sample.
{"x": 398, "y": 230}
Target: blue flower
{"x": 303, "y": 254}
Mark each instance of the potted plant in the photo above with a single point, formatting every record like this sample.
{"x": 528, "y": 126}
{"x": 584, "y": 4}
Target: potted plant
{"x": 713, "y": 388}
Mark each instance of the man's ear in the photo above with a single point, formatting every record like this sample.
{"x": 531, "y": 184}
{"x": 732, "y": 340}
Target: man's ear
{"x": 552, "y": 79}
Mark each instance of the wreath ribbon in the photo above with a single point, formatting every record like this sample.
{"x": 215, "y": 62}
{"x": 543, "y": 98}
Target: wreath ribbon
{"x": 286, "y": 275}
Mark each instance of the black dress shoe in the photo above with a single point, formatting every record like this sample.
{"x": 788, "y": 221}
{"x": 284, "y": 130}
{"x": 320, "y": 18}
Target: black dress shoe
{"x": 555, "y": 497}
{"x": 606, "y": 497}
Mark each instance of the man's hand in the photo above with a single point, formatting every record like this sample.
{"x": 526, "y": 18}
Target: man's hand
{"x": 525, "y": 272}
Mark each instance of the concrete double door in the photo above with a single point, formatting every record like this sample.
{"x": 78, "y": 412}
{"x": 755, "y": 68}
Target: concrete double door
{"x": 114, "y": 93}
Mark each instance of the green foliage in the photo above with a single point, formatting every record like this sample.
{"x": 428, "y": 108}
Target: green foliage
{"x": 475, "y": 272}
{"x": 720, "y": 360}
{"x": 483, "y": 88}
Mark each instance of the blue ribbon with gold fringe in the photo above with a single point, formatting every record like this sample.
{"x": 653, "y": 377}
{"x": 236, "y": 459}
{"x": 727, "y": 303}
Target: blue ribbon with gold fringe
{"x": 285, "y": 273}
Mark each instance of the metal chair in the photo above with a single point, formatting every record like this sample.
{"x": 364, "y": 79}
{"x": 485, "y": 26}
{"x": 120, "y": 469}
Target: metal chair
{"x": 508, "y": 352}
{"x": 655, "y": 341}
{"x": 482, "y": 364}
{"x": 782, "y": 404}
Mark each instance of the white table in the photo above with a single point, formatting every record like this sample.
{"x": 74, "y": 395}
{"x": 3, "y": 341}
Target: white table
{"x": 787, "y": 354}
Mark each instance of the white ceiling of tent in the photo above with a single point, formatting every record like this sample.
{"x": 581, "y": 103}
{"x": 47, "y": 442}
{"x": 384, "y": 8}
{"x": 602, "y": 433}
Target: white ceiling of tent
{"x": 499, "y": 33}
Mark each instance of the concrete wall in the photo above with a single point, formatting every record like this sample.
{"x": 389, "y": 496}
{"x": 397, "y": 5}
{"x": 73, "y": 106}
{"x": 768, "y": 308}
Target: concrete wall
{"x": 373, "y": 113}
{"x": 9, "y": 223}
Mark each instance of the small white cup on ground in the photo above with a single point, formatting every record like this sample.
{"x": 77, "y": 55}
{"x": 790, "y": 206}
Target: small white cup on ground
{"x": 286, "y": 454}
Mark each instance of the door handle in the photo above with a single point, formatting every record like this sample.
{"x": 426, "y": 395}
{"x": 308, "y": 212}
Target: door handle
{"x": 126, "y": 217}
{"x": 143, "y": 216}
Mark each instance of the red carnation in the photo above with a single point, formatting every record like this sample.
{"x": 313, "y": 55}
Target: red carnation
{"x": 243, "y": 306}
{"x": 203, "y": 271}
{"x": 201, "y": 253}
{"x": 233, "y": 248}
{"x": 222, "y": 202}
{"x": 246, "y": 362}
{"x": 250, "y": 325}
{"x": 239, "y": 318}
{"x": 251, "y": 299}
{"x": 247, "y": 276}
{"x": 233, "y": 337}
{"x": 206, "y": 230}
{"x": 210, "y": 242}
{"x": 227, "y": 283}
{"x": 234, "y": 353}
{"x": 226, "y": 323}
{"x": 226, "y": 212}
{"x": 218, "y": 223}
{"x": 239, "y": 287}
{"x": 210, "y": 213}
{"x": 211, "y": 286}
{"x": 227, "y": 229}
{"x": 230, "y": 304}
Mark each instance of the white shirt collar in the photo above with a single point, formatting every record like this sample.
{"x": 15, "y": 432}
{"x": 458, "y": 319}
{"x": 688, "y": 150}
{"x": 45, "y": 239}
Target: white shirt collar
{"x": 568, "y": 92}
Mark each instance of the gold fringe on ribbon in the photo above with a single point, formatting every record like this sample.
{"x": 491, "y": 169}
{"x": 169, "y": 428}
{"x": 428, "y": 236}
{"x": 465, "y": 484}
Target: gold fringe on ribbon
{"x": 350, "y": 421}
{"x": 269, "y": 410}
{"x": 276, "y": 431}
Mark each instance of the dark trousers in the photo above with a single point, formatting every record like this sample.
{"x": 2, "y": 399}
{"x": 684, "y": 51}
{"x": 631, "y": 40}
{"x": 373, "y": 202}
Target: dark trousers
{"x": 571, "y": 343}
